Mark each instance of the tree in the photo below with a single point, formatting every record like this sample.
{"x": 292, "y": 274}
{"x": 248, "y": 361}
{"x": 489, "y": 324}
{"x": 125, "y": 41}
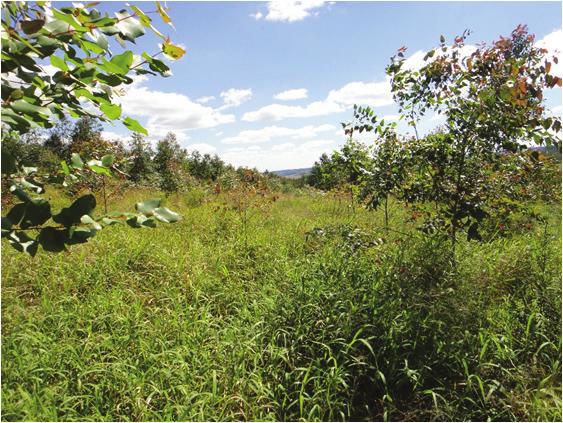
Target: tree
{"x": 59, "y": 137}
{"x": 492, "y": 102}
{"x": 383, "y": 173}
{"x": 140, "y": 154}
{"x": 168, "y": 162}
{"x": 75, "y": 40}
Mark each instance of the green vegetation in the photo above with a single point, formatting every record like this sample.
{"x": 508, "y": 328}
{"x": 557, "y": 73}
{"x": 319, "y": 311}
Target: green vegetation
{"x": 355, "y": 299}
{"x": 321, "y": 316}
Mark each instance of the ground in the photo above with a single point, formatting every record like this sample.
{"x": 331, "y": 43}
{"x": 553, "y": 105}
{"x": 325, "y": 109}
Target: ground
{"x": 295, "y": 309}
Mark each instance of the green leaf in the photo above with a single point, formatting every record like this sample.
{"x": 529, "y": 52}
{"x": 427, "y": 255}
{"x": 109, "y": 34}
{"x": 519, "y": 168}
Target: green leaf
{"x": 101, "y": 170}
{"x": 108, "y": 160}
{"x": 122, "y": 62}
{"x": 77, "y": 235}
{"x": 166, "y": 215}
{"x": 31, "y": 27}
{"x": 23, "y": 243}
{"x": 87, "y": 220}
{"x": 65, "y": 167}
{"x": 172, "y": 51}
{"x": 23, "y": 106}
{"x": 29, "y": 170}
{"x": 163, "y": 13}
{"x": 32, "y": 185}
{"x": 76, "y": 162}
{"x": 93, "y": 47}
{"x": 52, "y": 239}
{"x": 473, "y": 233}
{"x": 71, "y": 215}
{"x": 112, "y": 111}
{"x": 148, "y": 207}
{"x": 106, "y": 221}
{"x": 6, "y": 226}
{"x": 59, "y": 63}
{"x": 30, "y": 214}
{"x": 140, "y": 221}
{"x": 134, "y": 126}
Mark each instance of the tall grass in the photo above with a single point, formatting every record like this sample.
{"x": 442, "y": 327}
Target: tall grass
{"x": 317, "y": 313}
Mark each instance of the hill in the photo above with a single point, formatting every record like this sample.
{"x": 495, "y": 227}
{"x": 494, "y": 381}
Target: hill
{"x": 293, "y": 173}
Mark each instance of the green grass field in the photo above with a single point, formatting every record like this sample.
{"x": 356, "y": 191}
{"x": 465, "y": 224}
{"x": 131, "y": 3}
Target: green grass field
{"x": 221, "y": 317}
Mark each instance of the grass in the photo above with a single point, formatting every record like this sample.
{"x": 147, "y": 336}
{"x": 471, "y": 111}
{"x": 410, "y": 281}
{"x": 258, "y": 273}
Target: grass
{"x": 316, "y": 314}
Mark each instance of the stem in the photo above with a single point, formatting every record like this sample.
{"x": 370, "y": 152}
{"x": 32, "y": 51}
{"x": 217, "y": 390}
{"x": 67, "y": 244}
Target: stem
{"x": 104, "y": 193}
{"x": 386, "y": 213}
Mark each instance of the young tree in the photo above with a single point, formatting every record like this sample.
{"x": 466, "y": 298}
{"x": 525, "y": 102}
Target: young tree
{"x": 492, "y": 102}
{"x": 140, "y": 154}
{"x": 168, "y": 162}
{"x": 383, "y": 173}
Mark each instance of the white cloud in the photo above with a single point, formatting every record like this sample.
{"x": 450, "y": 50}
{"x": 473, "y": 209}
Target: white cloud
{"x": 289, "y": 10}
{"x": 283, "y": 147}
{"x": 416, "y": 60}
{"x": 375, "y": 94}
{"x": 553, "y": 43}
{"x": 271, "y": 132}
{"x": 295, "y": 94}
{"x": 202, "y": 148}
{"x": 390, "y": 118}
{"x": 219, "y": 133}
{"x": 281, "y": 111}
{"x": 169, "y": 111}
{"x": 113, "y": 136}
{"x": 557, "y": 110}
{"x": 281, "y": 156}
{"x": 205, "y": 99}
{"x": 234, "y": 97}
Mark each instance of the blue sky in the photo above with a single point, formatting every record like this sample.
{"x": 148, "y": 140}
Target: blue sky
{"x": 318, "y": 58}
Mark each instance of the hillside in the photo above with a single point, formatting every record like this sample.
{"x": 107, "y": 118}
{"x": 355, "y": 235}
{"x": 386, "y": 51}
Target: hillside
{"x": 293, "y": 173}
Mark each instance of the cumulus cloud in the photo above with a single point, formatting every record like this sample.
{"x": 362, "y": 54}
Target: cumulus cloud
{"x": 370, "y": 93}
{"x": 271, "y": 132}
{"x": 202, "y": 148}
{"x": 289, "y": 10}
{"x": 416, "y": 60}
{"x": 234, "y": 97}
{"x": 280, "y": 156}
{"x": 205, "y": 99}
{"x": 375, "y": 94}
{"x": 274, "y": 112}
{"x": 553, "y": 43}
{"x": 169, "y": 111}
{"x": 113, "y": 136}
{"x": 295, "y": 94}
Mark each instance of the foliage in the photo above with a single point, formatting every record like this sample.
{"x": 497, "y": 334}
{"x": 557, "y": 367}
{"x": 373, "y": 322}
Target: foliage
{"x": 348, "y": 323}
{"x": 77, "y": 41}
{"x": 168, "y": 162}
{"x": 140, "y": 158}
{"x": 382, "y": 174}
{"x": 492, "y": 102}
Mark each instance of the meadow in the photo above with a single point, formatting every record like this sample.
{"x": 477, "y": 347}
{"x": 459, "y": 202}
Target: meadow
{"x": 300, "y": 309}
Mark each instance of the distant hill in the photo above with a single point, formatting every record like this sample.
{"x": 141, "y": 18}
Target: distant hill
{"x": 293, "y": 173}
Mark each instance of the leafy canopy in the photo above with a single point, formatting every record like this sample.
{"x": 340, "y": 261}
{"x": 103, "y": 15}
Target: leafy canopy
{"x": 78, "y": 42}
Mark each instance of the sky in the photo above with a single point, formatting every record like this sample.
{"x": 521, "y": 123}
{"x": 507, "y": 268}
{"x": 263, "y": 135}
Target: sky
{"x": 267, "y": 84}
